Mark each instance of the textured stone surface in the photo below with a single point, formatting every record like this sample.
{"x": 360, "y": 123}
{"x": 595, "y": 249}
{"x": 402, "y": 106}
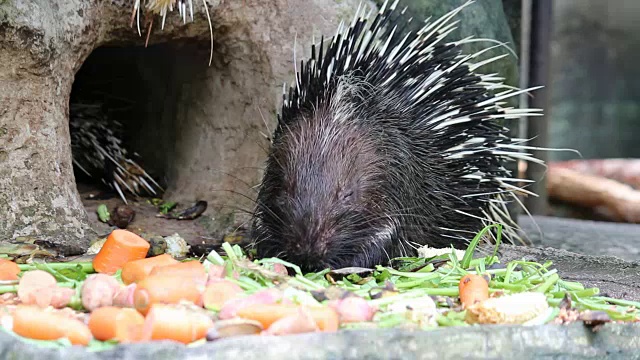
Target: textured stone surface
{"x": 39, "y": 56}
{"x": 585, "y": 237}
{"x": 613, "y": 276}
{"x": 491, "y": 342}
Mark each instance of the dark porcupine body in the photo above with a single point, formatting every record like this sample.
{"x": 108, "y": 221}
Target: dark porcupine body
{"x": 386, "y": 143}
{"x": 98, "y": 152}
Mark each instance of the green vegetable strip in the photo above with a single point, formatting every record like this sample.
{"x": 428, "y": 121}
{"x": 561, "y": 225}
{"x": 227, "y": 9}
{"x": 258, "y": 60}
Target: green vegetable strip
{"x": 570, "y": 285}
{"x": 8, "y": 289}
{"x": 215, "y": 258}
{"x": 576, "y": 293}
{"x": 634, "y": 304}
{"x": 86, "y": 267}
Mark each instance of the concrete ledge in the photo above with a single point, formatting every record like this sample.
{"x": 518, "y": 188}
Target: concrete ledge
{"x": 506, "y": 342}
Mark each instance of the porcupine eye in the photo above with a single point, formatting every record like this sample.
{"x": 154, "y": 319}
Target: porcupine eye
{"x": 345, "y": 195}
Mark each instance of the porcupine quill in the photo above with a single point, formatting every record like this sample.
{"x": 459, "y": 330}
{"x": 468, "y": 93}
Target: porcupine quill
{"x": 98, "y": 151}
{"x": 386, "y": 143}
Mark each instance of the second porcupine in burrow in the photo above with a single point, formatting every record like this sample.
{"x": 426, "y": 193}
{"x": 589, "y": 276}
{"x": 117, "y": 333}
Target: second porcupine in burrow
{"x": 384, "y": 144}
{"x": 98, "y": 151}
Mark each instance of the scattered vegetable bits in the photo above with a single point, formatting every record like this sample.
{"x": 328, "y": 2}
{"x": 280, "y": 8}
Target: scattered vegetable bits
{"x": 125, "y": 297}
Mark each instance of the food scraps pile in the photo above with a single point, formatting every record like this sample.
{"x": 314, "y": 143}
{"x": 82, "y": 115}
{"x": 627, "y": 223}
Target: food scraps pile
{"x": 125, "y": 295}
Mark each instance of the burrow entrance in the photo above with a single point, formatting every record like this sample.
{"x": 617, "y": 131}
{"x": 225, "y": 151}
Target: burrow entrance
{"x": 158, "y": 103}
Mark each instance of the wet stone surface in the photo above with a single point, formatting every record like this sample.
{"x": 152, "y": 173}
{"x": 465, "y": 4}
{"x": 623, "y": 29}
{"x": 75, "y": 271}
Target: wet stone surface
{"x": 504, "y": 342}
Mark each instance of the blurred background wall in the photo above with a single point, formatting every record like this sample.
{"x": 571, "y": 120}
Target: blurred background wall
{"x": 595, "y": 78}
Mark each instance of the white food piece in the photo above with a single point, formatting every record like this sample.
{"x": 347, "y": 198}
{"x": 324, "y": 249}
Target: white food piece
{"x": 428, "y": 252}
{"x": 509, "y": 309}
{"x": 6, "y": 321}
{"x": 176, "y": 246}
{"x": 421, "y": 310}
{"x": 95, "y": 247}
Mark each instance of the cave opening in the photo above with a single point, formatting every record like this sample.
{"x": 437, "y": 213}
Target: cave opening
{"x": 126, "y": 116}
{"x": 116, "y": 94}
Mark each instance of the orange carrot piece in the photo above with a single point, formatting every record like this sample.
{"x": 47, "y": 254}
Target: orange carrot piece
{"x": 167, "y": 289}
{"x": 124, "y": 325}
{"x": 9, "y": 270}
{"x": 302, "y": 322}
{"x": 219, "y": 292}
{"x": 136, "y": 270}
{"x": 36, "y": 323}
{"x": 120, "y": 247}
{"x": 473, "y": 288}
{"x": 185, "y": 269}
{"x": 326, "y": 318}
{"x": 166, "y": 322}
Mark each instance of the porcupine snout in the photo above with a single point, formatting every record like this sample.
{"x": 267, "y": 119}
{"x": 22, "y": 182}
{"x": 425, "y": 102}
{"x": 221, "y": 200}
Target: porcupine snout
{"x": 310, "y": 245}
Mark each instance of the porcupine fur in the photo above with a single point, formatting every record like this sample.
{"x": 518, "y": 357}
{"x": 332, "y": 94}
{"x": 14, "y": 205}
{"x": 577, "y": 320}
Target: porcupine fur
{"x": 387, "y": 143}
{"x": 98, "y": 151}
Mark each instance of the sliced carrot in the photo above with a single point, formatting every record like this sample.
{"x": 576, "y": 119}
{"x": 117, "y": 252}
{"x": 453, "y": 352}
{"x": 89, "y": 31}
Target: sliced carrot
{"x": 166, "y": 322}
{"x": 326, "y": 317}
{"x": 124, "y": 325}
{"x": 302, "y": 322}
{"x": 36, "y": 323}
{"x": 136, "y": 270}
{"x": 120, "y": 247}
{"x": 9, "y": 270}
{"x": 167, "y": 289}
{"x": 473, "y": 288}
{"x": 219, "y": 292}
{"x": 185, "y": 269}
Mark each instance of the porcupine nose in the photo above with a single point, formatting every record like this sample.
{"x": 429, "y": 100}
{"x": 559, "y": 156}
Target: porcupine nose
{"x": 310, "y": 253}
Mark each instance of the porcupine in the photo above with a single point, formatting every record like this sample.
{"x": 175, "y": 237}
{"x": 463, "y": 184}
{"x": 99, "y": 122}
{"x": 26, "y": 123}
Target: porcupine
{"x": 98, "y": 150}
{"x": 387, "y": 143}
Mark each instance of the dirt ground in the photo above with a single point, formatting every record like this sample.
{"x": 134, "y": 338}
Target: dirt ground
{"x": 202, "y": 233}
